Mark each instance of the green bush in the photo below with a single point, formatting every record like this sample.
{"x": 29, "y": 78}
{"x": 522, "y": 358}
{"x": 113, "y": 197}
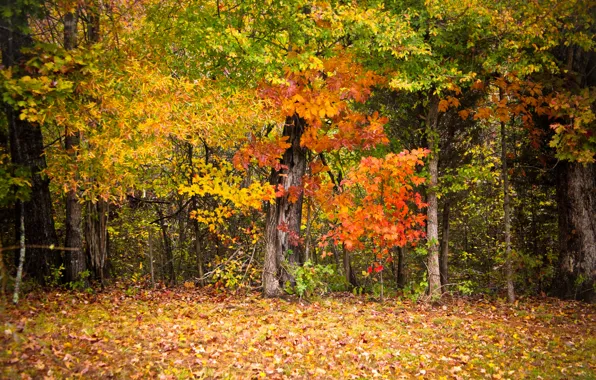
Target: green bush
{"x": 310, "y": 279}
{"x": 81, "y": 283}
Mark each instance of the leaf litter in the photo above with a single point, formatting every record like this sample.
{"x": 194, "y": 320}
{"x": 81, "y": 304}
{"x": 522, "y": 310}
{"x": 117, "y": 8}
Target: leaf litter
{"x": 189, "y": 333}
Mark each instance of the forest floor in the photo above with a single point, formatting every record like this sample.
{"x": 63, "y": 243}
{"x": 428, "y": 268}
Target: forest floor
{"x": 188, "y": 333}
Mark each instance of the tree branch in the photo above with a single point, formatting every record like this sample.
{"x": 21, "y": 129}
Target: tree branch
{"x": 156, "y": 221}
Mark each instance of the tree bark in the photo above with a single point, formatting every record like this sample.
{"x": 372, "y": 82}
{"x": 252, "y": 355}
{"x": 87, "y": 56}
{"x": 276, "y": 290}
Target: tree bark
{"x": 75, "y": 258}
{"x": 17, "y": 283}
{"x": 93, "y": 17}
{"x": 96, "y": 237}
{"x": 70, "y": 30}
{"x": 432, "y": 229}
{"x": 96, "y": 218}
{"x": 195, "y": 223}
{"x": 3, "y": 273}
{"x": 444, "y": 258}
{"x": 197, "y": 245}
{"x": 347, "y": 266}
{"x": 401, "y": 274}
{"x": 308, "y": 230}
{"x": 507, "y": 214}
{"x": 576, "y": 196}
{"x": 271, "y": 275}
{"x": 167, "y": 244}
{"x": 150, "y": 244}
{"x": 576, "y": 200}
{"x": 284, "y": 218}
{"x": 350, "y": 276}
{"x": 27, "y": 151}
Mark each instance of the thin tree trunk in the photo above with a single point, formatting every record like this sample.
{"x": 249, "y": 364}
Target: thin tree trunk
{"x": 197, "y": 247}
{"x": 507, "y": 213}
{"x": 150, "y": 243}
{"x": 284, "y": 218}
{"x": 401, "y": 275}
{"x": 195, "y": 223}
{"x": 3, "y": 273}
{"x": 74, "y": 258}
{"x": 17, "y": 284}
{"x": 180, "y": 244}
{"x": 335, "y": 255}
{"x": 167, "y": 244}
{"x": 432, "y": 230}
{"x": 350, "y": 277}
{"x": 382, "y": 287}
{"x": 346, "y": 264}
{"x": 70, "y": 30}
{"x": 93, "y": 15}
{"x": 95, "y": 223}
{"x": 443, "y": 259}
{"x": 308, "y": 230}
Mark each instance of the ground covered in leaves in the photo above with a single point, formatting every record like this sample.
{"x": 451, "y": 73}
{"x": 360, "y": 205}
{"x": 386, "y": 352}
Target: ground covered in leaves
{"x": 189, "y": 333}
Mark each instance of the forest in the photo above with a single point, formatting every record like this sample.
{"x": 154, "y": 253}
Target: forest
{"x": 335, "y": 187}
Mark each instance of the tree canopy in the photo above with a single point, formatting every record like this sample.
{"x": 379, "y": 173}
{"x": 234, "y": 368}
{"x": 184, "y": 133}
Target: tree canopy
{"x": 298, "y": 145}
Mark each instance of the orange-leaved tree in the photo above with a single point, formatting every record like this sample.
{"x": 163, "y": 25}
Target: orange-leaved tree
{"x": 377, "y": 206}
{"x": 316, "y": 104}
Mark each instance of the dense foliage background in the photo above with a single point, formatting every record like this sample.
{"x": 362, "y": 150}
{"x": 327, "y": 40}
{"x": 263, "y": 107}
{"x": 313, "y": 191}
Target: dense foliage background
{"x": 301, "y": 147}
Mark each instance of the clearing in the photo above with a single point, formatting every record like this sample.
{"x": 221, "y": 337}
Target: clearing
{"x": 188, "y": 333}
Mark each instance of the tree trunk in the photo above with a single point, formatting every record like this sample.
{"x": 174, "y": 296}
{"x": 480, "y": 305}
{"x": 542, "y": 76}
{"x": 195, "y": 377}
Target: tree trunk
{"x": 401, "y": 275}
{"x": 17, "y": 282}
{"x": 432, "y": 228}
{"x": 271, "y": 275}
{"x": 335, "y": 255}
{"x": 307, "y": 256}
{"x": 3, "y": 273}
{"x": 350, "y": 276}
{"x": 93, "y": 17}
{"x": 150, "y": 243}
{"x": 443, "y": 259}
{"x": 576, "y": 196}
{"x": 576, "y": 200}
{"x": 167, "y": 244}
{"x": 195, "y": 223}
{"x": 70, "y": 30}
{"x": 507, "y": 214}
{"x": 96, "y": 237}
{"x": 284, "y": 217}
{"x": 197, "y": 245}
{"x": 27, "y": 151}
{"x": 347, "y": 266}
{"x": 75, "y": 256}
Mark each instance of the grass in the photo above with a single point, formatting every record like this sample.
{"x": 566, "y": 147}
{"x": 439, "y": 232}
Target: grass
{"x": 192, "y": 334}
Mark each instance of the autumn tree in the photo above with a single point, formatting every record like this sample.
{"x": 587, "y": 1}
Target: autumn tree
{"x": 376, "y": 208}
{"x": 553, "y": 52}
{"x": 75, "y": 255}
{"x": 574, "y": 126}
{"x": 320, "y": 102}
{"x": 437, "y": 59}
{"x": 26, "y": 141}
